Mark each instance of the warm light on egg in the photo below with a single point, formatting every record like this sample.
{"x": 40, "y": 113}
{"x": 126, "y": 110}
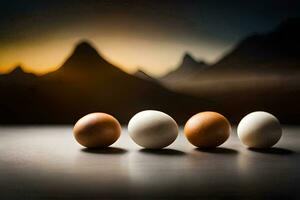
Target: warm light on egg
{"x": 207, "y": 129}
{"x": 97, "y": 130}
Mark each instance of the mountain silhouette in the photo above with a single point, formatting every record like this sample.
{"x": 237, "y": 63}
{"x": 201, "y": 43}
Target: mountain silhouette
{"x": 184, "y": 73}
{"x": 17, "y": 71}
{"x": 17, "y": 76}
{"x": 85, "y": 57}
{"x": 87, "y": 83}
{"x": 276, "y": 50}
{"x": 261, "y": 73}
{"x": 187, "y": 67}
{"x": 189, "y": 63}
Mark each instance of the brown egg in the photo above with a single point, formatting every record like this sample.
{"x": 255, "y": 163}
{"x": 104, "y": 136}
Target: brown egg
{"x": 207, "y": 129}
{"x": 97, "y": 130}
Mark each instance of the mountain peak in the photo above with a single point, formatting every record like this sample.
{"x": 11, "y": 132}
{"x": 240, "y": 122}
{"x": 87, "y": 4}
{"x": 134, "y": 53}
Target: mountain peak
{"x": 17, "y": 70}
{"x": 188, "y": 58}
{"x": 19, "y": 75}
{"x": 85, "y": 47}
{"x": 85, "y": 56}
{"x": 188, "y": 65}
{"x": 189, "y": 62}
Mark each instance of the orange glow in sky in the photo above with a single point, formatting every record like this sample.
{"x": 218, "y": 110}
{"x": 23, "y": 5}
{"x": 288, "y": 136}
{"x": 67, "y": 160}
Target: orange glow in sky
{"x": 148, "y": 35}
{"x": 156, "y": 57}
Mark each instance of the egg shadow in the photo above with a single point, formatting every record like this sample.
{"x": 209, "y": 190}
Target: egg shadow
{"x": 273, "y": 150}
{"x": 217, "y": 150}
{"x": 107, "y": 150}
{"x": 163, "y": 152}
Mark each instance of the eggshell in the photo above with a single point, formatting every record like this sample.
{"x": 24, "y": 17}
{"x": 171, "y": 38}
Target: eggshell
{"x": 152, "y": 129}
{"x": 207, "y": 129}
{"x": 259, "y": 130}
{"x": 97, "y": 130}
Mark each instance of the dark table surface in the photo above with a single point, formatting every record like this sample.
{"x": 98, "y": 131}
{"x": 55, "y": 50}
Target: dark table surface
{"x": 45, "y": 162}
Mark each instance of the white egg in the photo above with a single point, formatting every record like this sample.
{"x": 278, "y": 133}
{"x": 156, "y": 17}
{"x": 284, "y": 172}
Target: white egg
{"x": 259, "y": 130}
{"x": 152, "y": 129}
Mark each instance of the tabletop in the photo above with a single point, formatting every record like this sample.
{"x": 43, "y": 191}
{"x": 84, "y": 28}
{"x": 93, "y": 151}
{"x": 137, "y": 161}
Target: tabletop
{"x": 45, "y": 162}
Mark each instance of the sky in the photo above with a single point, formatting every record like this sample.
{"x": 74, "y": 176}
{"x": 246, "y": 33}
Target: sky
{"x": 138, "y": 34}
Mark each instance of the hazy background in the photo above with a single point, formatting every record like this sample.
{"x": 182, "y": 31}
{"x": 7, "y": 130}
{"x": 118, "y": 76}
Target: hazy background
{"x": 62, "y": 59}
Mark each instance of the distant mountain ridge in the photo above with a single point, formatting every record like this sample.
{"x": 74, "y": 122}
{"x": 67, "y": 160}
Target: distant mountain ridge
{"x": 187, "y": 67}
{"x": 86, "y": 83}
{"x": 188, "y": 62}
{"x": 276, "y": 50}
{"x": 261, "y": 73}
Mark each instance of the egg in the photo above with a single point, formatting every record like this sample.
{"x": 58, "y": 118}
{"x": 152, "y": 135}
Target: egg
{"x": 97, "y": 130}
{"x": 259, "y": 130}
{"x": 152, "y": 129}
{"x": 207, "y": 129}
